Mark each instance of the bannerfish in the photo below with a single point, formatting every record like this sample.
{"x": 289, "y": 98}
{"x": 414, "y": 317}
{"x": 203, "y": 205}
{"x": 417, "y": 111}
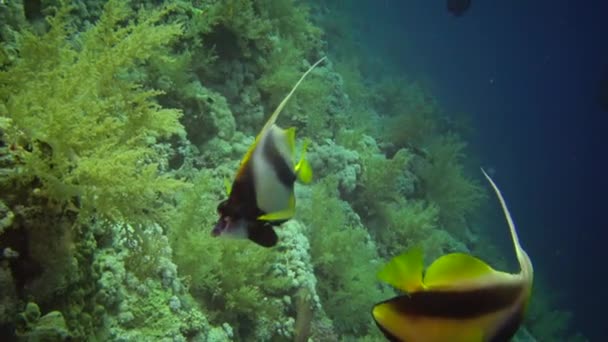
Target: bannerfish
{"x": 458, "y": 7}
{"x": 262, "y": 193}
{"x": 458, "y": 299}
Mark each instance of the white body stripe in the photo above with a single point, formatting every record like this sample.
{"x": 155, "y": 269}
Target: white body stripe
{"x": 271, "y": 195}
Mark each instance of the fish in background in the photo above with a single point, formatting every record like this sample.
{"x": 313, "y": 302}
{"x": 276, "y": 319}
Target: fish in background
{"x": 458, "y": 7}
{"x": 458, "y": 299}
{"x": 262, "y": 193}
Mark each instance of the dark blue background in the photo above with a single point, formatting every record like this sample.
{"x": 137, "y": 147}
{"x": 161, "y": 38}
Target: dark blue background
{"x": 528, "y": 73}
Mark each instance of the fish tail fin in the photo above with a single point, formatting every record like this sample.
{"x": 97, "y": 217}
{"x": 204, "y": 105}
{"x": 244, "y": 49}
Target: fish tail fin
{"x": 524, "y": 260}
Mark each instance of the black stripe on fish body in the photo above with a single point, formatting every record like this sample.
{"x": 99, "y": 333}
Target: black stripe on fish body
{"x": 282, "y": 168}
{"x": 457, "y": 304}
{"x": 242, "y": 202}
{"x": 506, "y": 332}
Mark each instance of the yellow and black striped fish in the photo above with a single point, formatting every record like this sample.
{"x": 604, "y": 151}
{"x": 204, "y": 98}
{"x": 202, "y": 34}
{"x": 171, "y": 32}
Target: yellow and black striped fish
{"x": 262, "y": 193}
{"x": 458, "y": 299}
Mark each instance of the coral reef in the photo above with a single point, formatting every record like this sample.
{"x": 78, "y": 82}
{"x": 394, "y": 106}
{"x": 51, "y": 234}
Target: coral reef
{"x": 120, "y": 121}
{"x": 50, "y": 327}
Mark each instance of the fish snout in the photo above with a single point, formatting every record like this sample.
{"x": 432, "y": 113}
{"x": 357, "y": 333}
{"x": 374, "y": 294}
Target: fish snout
{"x": 221, "y": 226}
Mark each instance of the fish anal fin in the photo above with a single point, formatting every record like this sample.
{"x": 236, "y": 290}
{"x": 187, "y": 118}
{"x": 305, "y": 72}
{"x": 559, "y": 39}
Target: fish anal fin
{"x": 452, "y": 269}
{"x": 404, "y": 271}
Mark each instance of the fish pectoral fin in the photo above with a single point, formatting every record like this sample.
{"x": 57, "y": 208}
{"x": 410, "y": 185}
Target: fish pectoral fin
{"x": 455, "y": 268}
{"x": 404, "y": 271}
{"x": 303, "y": 168}
{"x": 290, "y": 138}
{"x": 304, "y": 171}
{"x": 227, "y": 186}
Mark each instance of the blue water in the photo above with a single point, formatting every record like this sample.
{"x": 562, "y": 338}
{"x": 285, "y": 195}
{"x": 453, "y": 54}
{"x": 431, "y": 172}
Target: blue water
{"x": 528, "y": 73}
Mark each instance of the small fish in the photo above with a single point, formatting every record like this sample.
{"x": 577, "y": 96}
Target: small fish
{"x": 262, "y": 193}
{"x": 458, "y": 7}
{"x": 459, "y": 299}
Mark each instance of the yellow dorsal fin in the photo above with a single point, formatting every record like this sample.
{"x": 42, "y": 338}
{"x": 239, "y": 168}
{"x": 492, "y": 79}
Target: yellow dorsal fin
{"x": 454, "y": 268}
{"x": 404, "y": 271}
{"x": 525, "y": 263}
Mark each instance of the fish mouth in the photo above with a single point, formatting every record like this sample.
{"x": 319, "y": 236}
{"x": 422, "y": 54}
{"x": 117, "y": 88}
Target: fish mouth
{"x": 221, "y": 226}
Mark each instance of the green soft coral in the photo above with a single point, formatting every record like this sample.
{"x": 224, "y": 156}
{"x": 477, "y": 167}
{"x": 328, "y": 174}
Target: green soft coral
{"x": 309, "y": 107}
{"x": 82, "y": 127}
{"x": 344, "y": 259}
{"x": 231, "y": 279}
{"x": 446, "y": 184}
{"x": 407, "y": 223}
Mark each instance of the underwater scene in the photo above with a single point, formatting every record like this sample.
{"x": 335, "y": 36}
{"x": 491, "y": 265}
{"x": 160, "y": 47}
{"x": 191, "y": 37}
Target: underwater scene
{"x": 321, "y": 170}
